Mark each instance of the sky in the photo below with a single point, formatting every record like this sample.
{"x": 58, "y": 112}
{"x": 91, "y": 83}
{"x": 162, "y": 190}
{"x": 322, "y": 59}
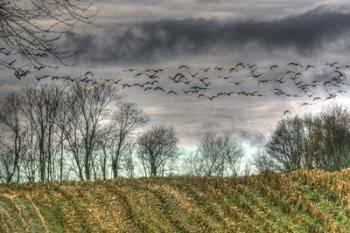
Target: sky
{"x": 202, "y": 33}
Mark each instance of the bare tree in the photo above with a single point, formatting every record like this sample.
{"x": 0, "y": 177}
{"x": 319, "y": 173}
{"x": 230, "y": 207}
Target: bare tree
{"x": 287, "y": 144}
{"x": 62, "y": 132}
{"x": 32, "y": 30}
{"x": 263, "y": 162}
{"x": 12, "y": 140}
{"x": 218, "y": 154}
{"x": 335, "y": 149}
{"x": 321, "y": 141}
{"x": 157, "y": 147}
{"x": 192, "y": 164}
{"x": 125, "y": 120}
{"x": 89, "y": 105}
{"x": 129, "y": 164}
{"x": 104, "y": 144}
{"x": 40, "y": 108}
{"x": 50, "y": 131}
{"x": 30, "y": 165}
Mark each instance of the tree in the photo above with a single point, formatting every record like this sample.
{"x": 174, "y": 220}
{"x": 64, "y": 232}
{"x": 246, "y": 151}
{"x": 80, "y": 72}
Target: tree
{"x": 61, "y": 122}
{"x": 263, "y": 162}
{"x": 314, "y": 141}
{"x": 128, "y": 160}
{"x": 40, "y": 106}
{"x": 51, "y": 131}
{"x": 192, "y": 164}
{"x": 12, "y": 140}
{"x": 218, "y": 155}
{"x": 31, "y": 30}
{"x": 335, "y": 140}
{"x": 125, "y": 120}
{"x": 84, "y": 124}
{"x": 157, "y": 148}
{"x": 287, "y": 144}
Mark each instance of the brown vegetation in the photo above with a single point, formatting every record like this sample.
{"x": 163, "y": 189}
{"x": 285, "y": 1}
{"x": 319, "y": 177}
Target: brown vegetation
{"x": 301, "y": 201}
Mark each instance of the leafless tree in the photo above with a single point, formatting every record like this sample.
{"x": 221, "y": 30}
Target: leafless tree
{"x": 88, "y": 107}
{"x": 104, "y": 144}
{"x": 30, "y": 165}
{"x": 263, "y": 162}
{"x": 218, "y": 154}
{"x": 55, "y": 132}
{"x": 314, "y": 141}
{"x": 32, "y": 30}
{"x": 40, "y": 108}
{"x": 61, "y": 123}
{"x": 125, "y": 121}
{"x": 287, "y": 144}
{"x": 192, "y": 164}
{"x": 129, "y": 164}
{"x": 12, "y": 140}
{"x": 157, "y": 148}
{"x": 335, "y": 149}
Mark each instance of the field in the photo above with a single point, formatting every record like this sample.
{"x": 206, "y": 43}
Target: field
{"x": 302, "y": 201}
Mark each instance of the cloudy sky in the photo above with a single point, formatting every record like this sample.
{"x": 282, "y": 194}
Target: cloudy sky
{"x": 203, "y": 33}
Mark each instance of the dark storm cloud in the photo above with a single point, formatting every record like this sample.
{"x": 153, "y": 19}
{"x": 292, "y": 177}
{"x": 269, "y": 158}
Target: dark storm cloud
{"x": 155, "y": 40}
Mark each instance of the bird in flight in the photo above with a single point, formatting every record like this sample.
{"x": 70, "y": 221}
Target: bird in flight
{"x": 237, "y": 83}
{"x": 194, "y": 82}
{"x": 309, "y": 67}
{"x": 304, "y": 104}
{"x": 233, "y": 69}
{"x": 183, "y": 67}
{"x": 205, "y": 69}
{"x": 286, "y": 112}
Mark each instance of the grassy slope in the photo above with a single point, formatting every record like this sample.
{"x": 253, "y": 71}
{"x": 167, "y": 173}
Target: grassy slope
{"x": 303, "y": 201}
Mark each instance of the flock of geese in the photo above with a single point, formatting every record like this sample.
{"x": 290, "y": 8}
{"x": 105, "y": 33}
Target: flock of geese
{"x": 292, "y": 80}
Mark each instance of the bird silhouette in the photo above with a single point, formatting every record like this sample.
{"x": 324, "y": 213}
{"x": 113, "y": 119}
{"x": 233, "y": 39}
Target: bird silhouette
{"x": 158, "y": 88}
{"x": 39, "y": 67}
{"x": 171, "y": 93}
{"x": 193, "y": 75}
{"x": 41, "y": 77}
{"x": 205, "y": 69}
{"x": 126, "y": 85}
{"x": 309, "y": 67}
{"x": 233, "y": 69}
{"x": 240, "y": 64}
{"x": 286, "y": 112}
{"x": 117, "y": 81}
{"x": 257, "y": 75}
{"x": 183, "y": 67}
{"x": 219, "y": 68}
{"x": 279, "y": 79}
{"x": 263, "y": 81}
{"x": 130, "y": 70}
{"x": 304, "y": 104}
{"x": 12, "y": 62}
{"x": 237, "y": 83}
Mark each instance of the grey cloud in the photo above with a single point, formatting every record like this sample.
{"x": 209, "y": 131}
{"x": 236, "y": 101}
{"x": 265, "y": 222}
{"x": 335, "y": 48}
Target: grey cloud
{"x": 152, "y": 41}
{"x": 255, "y": 138}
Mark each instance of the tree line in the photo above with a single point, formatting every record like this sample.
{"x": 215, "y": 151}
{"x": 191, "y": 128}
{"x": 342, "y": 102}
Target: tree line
{"x": 80, "y": 131}
{"x": 312, "y": 141}
{"x": 57, "y": 132}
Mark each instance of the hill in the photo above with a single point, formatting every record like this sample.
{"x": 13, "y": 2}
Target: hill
{"x": 302, "y": 201}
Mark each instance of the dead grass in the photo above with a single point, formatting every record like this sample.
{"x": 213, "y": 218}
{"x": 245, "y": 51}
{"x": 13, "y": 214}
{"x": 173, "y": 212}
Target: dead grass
{"x": 301, "y": 201}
